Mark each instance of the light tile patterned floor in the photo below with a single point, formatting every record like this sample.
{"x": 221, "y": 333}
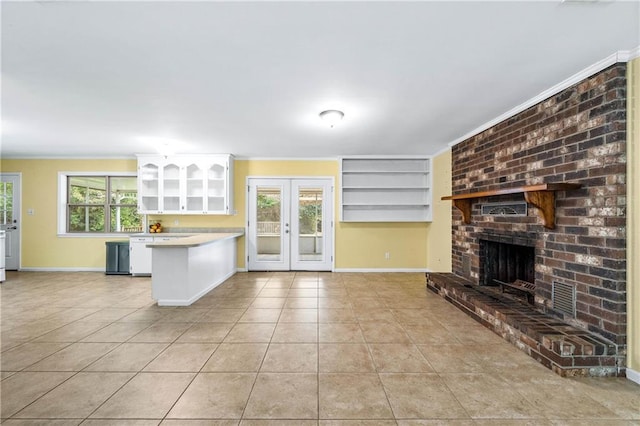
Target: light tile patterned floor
{"x": 274, "y": 349}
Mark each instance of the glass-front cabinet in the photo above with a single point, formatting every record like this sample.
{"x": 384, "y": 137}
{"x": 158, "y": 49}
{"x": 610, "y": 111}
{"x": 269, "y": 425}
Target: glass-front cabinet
{"x": 186, "y": 184}
{"x": 217, "y": 187}
{"x": 148, "y": 186}
{"x": 171, "y": 187}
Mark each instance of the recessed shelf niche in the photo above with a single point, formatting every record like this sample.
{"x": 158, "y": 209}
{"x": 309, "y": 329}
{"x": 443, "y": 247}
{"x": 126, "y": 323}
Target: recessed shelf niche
{"x": 385, "y": 189}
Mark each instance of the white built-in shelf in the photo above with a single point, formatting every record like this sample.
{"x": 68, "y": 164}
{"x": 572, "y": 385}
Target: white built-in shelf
{"x": 385, "y": 189}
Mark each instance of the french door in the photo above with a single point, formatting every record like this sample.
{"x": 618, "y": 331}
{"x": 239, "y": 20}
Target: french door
{"x": 290, "y": 226}
{"x": 9, "y": 218}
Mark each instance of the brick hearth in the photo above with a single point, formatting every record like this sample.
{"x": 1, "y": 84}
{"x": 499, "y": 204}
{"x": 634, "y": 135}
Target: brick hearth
{"x": 567, "y": 350}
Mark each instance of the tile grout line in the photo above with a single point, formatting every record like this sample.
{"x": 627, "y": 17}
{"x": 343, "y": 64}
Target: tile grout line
{"x": 255, "y": 380}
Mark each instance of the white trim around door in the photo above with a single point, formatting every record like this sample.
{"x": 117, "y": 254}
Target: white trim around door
{"x": 11, "y": 218}
{"x": 290, "y": 223}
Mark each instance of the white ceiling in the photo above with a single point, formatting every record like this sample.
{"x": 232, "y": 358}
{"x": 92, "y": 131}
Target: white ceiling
{"x": 107, "y": 79}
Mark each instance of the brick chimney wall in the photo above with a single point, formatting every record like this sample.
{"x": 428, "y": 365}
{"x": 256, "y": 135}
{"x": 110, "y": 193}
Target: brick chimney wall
{"x": 578, "y": 135}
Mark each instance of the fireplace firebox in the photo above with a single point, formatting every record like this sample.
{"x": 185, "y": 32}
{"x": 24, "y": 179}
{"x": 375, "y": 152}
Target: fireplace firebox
{"x": 504, "y": 259}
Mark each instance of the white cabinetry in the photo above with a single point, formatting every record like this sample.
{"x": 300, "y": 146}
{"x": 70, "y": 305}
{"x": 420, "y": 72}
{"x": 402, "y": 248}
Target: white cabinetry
{"x": 140, "y": 259}
{"x": 200, "y": 184}
{"x": 140, "y": 255}
{"x": 385, "y": 189}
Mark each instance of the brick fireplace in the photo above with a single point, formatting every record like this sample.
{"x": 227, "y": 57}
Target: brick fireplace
{"x": 575, "y": 136}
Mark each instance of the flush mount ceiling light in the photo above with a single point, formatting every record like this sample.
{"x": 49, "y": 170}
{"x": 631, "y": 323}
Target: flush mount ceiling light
{"x": 332, "y": 116}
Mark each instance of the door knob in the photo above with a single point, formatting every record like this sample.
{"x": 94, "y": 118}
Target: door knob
{"x": 11, "y": 228}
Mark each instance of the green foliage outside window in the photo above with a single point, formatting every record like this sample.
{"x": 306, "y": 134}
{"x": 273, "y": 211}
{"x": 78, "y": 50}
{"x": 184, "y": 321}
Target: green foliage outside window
{"x": 310, "y": 211}
{"x": 268, "y": 207}
{"x": 6, "y": 203}
{"x": 310, "y": 218}
{"x": 90, "y": 209}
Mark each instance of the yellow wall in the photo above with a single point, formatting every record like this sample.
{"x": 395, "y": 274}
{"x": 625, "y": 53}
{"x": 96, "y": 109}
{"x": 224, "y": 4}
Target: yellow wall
{"x": 439, "y": 233}
{"x": 242, "y": 169}
{"x": 363, "y": 245}
{"x": 357, "y": 245}
{"x": 40, "y": 246}
{"x": 633, "y": 216}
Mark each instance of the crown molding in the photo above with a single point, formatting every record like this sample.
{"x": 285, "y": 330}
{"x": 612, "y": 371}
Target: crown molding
{"x": 442, "y": 151}
{"x": 248, "y": 158}
{"x": 620, "y": 56}
{"x": 628, "y": 55}
{"x": 65, "y": 158}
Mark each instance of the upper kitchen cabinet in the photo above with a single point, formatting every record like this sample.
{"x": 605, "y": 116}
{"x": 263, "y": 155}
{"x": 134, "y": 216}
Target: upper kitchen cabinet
{"x": 185, "y": 184}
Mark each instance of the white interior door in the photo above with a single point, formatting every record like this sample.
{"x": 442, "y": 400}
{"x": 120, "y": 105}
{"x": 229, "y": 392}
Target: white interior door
{"x": 290, "y": 225}
{"x": 10, "y": 218}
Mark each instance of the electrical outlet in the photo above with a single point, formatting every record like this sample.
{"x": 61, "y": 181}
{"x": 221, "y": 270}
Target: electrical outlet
{"x": 176, "y": 222}
{"x": 387, "y": 255}
{"x": 30, "y": 212}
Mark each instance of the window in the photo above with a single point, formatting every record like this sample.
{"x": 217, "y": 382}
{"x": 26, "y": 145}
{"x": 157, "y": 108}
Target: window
{"x": 99, "y": 204}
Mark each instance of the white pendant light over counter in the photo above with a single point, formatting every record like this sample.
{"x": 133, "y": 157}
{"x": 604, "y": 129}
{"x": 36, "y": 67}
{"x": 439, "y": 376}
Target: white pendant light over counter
{"x": 332, "y": 116}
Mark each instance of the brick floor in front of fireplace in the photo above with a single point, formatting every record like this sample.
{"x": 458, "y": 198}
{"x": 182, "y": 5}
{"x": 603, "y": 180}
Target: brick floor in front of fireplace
{"x": 567, "y": 350}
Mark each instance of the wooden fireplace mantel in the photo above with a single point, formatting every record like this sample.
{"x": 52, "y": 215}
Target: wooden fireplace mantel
{"x": 542, "y": 196}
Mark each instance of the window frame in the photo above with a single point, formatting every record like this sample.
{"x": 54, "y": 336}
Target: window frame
{"x": 63, "y": 206}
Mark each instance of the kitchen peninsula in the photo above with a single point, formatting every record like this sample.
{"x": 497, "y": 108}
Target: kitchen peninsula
{"x": 185, "y": 269}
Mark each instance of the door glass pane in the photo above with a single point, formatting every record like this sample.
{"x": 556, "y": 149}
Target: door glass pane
{"x": 310, "y": 224}
{"x": 269, "y": 219}
{"x": 6, "y": 203}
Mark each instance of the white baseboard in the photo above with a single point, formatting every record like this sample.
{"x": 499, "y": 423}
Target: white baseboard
{"x": 363, "y": 270}
{"x": 85, "y": 269}
{"x": 69, "y": 269}
{"x": 633, "y": 375}
{"x": 366, "y": 270}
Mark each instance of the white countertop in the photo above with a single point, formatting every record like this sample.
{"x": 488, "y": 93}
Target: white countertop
{"x": 194, "y": 240}
{"x": 163, "y": 234}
